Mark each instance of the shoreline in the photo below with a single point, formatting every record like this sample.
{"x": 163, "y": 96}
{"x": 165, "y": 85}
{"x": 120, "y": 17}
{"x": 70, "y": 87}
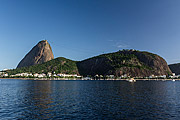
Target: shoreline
{"x": 48, "y": 79}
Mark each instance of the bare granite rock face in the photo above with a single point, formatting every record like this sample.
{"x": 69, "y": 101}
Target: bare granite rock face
{"x": 40, "y": 53}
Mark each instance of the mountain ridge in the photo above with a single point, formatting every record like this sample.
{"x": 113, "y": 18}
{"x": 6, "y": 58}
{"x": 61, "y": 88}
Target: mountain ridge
{"x": 132, "y": 63}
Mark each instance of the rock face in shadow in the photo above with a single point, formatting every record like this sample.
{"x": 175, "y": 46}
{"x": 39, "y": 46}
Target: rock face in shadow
{"x": 175, "y": 68}
{"x": 130, "y": 62}
{"x": 40, "y": 53}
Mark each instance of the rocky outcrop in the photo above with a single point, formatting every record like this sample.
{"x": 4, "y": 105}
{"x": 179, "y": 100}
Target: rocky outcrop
{"x": 175, "y": 68}
{"x": 40, "y": 53}
{"x": 130, "y": 62}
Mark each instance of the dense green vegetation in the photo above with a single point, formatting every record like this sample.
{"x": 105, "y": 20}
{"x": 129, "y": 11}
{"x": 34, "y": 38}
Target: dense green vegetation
{"x": 58, "y": 65}
{"x": 125, "y": 58}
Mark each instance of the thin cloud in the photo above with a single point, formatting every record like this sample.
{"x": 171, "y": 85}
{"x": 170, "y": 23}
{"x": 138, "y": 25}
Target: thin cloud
{"x": 118, "y": 44}
{"x": 122, "y": 46}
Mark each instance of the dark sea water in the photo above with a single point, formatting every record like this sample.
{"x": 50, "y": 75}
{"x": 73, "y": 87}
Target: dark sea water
{"x": 29, "y": 99}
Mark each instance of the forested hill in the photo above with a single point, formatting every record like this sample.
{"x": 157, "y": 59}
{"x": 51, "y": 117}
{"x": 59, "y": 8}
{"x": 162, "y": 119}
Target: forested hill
{"x": 130, "y": 62}
{"x": 58, "y": 65}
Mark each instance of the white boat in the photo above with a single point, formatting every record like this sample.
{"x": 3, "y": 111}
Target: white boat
{"x": 131, "y": 80}
{"x": 173, "y": 80}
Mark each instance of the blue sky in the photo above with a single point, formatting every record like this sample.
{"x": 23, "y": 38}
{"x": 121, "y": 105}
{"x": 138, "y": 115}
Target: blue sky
{"x": 79, "y": 29}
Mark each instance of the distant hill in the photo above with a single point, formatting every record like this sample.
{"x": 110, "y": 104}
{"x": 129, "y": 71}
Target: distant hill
{"x": 175, "y": 68}
{"x": 130, "y": 62}
{"x": 40, "y": 53}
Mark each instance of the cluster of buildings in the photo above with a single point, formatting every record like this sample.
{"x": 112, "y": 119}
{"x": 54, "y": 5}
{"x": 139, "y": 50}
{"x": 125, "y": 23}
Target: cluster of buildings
{"x": 173, "y": 76}
{"x": 60, "y": 75}
{"x": 42, "y": 75}
{"x": 3, "y": 74}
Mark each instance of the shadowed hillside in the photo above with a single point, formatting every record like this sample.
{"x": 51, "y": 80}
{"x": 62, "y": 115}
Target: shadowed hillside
{"x": 130, "y": 62}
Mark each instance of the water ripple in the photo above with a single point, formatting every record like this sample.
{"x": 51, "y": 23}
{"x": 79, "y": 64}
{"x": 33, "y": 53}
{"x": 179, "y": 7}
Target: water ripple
{"x": 20, "y": 99}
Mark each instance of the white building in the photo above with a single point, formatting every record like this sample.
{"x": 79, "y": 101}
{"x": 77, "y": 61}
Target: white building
{"x": 68, "y": 75}
{"x": 5, "y": 74}
{"x": 41, "y": 75}
{"x": 49, "y": 74}
{"x": 36, "y": 75}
